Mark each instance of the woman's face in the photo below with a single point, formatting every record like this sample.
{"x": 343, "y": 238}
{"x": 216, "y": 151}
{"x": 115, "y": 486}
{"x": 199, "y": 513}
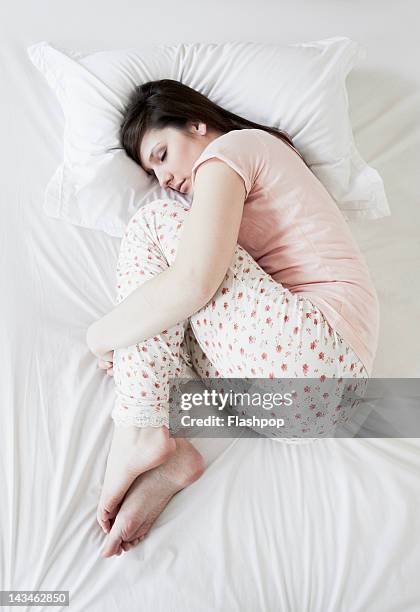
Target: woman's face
{"x": 170, "y": 154}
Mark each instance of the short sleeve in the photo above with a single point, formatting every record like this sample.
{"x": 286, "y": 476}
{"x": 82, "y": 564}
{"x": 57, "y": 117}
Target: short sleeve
{"x": 242, "y": 150}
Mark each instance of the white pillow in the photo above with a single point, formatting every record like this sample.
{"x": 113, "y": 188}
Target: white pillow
{"x": 299, "y": 88}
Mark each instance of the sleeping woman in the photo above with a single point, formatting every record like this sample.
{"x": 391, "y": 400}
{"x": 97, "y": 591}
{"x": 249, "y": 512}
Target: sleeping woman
{"x": 259, "y": 277}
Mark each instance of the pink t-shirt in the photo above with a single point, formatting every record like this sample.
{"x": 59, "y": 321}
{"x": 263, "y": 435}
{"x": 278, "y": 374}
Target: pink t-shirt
{"x": 294, "y": 230}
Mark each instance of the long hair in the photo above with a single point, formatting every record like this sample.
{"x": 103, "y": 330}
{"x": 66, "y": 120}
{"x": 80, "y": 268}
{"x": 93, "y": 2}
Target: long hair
{"x": 158, "y": 104}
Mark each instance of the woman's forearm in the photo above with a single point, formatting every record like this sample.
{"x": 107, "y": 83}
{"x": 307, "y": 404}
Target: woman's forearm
{"x": 155, "y": 306}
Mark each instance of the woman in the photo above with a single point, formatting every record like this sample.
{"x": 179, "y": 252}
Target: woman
{"x": 260, "y": 278}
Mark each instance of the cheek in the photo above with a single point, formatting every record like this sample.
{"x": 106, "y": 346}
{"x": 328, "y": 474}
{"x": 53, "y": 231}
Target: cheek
{"x": 193, "y": 155}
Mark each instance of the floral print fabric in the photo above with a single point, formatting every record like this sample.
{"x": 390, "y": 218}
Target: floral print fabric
{"x": 252, "y": 327}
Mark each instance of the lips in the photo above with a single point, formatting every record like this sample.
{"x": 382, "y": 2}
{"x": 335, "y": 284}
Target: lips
{"x": 180, "y": 185}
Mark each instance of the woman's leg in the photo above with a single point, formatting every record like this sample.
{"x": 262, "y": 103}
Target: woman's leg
{"x": 304, "y": 355}
{"x": 252, "y": 328}
{"x": 141, "y": 438}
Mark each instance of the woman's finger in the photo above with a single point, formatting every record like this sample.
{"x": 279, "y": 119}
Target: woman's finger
{"x": 104, "y": 364}
{"x": 109, "y": 356}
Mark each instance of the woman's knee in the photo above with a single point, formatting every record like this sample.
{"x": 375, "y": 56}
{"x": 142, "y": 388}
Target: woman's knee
{"x": 141, "y": 255}
{"x": 162, "y": 221}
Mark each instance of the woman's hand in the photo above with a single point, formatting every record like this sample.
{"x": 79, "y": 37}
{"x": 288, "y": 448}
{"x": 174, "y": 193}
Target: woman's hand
{"x": 106, "y": 362}
{"x": 105, "y": 357}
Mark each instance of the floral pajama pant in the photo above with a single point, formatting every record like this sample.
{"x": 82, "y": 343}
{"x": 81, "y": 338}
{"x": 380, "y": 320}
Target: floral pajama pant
{"x": 253, "y": 327}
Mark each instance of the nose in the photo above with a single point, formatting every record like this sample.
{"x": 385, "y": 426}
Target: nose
{"x": 165, "y": 178}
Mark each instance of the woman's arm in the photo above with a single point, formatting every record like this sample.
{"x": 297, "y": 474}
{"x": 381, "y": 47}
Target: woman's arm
{"x": 150, "y": 309}
{"x": 206, "y": 247}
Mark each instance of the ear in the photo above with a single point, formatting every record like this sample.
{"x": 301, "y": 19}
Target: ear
{"x": 198, "y": 127}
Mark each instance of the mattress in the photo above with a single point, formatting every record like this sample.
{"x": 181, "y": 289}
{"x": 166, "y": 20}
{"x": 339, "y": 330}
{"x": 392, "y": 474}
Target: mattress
{"x": 329, "y": 526}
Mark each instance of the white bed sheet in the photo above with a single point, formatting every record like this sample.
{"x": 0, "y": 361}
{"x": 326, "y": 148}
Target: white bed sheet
{"x": 326, "y": 527}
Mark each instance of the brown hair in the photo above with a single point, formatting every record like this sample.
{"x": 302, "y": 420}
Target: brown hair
{"x": 158, "y": 104}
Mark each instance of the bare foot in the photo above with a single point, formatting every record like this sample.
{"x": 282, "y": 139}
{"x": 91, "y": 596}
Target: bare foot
{"x": 149, "y": 495}
{"x": 133, "y": 451}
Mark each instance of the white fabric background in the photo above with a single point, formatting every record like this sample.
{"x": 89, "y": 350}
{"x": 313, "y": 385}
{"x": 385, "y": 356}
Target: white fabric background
{"x": 327, "y": 527}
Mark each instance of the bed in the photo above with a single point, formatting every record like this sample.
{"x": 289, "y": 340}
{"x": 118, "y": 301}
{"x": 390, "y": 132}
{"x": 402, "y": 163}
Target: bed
{"x": 331, "y": 526}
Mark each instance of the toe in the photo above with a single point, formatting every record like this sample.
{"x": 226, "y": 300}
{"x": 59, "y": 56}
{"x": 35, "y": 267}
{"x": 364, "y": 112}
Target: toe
{"x": 105, "y": 515}
{"x": 122, "y": 532}
{"x": 109, "y": 503}
{"x": 128, "y": 545}
{"x": 103, "y": 520}
{"x": 112, "y": 546}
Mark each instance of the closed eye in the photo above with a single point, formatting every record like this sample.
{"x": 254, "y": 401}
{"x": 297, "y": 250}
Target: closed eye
{"x": 161, "y": 159}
